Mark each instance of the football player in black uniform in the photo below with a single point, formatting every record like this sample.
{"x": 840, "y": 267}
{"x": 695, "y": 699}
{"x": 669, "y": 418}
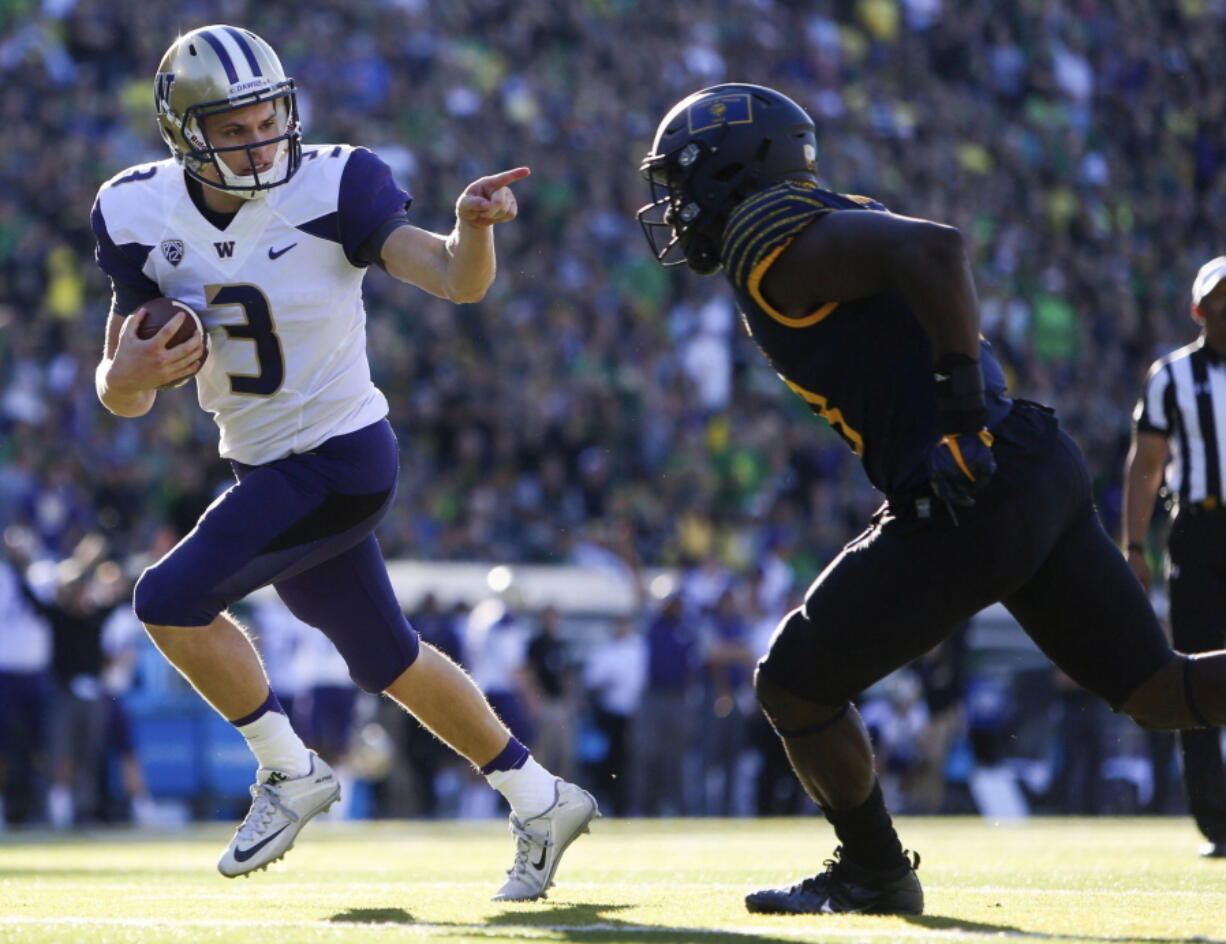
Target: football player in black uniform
{"x": 872, "y": 318}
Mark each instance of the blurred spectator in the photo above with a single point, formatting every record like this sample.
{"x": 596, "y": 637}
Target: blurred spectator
{"x": 78, "y": 716}
{"x": 553, "y": 696}
{"x": 437, "y": 771}
{"x": 943, "y": 674}
{"x": 1080, "y": 749}
{"x": 614, "y": 675}
{"x": 896, "y": 717}
{"x": 25, "y": 656}
{"x": 496, "y": 644}
{"x": 727, "y": 667}
{"x": 664, "y": 724}
{"x": 122, "y": 637}
{"x": 278, "y": 636}
{"x": 323, "y": 699}
{"x": 325, "y": 705}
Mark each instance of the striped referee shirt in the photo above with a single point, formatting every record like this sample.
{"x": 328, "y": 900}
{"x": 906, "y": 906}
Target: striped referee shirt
{"x": 1185, "y": 401}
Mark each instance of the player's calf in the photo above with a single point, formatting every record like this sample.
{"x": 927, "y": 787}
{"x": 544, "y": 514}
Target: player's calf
{"x": 1188, "y": 692}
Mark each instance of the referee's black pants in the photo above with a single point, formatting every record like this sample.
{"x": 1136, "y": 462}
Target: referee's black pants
{"x": 1197, "y": 589}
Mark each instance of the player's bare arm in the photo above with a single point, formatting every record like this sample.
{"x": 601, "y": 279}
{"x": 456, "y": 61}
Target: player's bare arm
{"x": 857, "y": 253}
{"x": 1142, "y": 478}
{"x": 132, "y": 369}
{"x": 461, "y": 266}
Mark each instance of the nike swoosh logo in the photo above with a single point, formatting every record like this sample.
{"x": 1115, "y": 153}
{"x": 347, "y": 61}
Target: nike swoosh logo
{"x": 242, "y": 855}
{"x": 278, "y": 253}
{"x": 541, "y": 864}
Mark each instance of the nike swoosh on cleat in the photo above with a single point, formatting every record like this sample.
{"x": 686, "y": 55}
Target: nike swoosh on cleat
{"x": 242, "y": 855}
{"x": 541, "y": 864}
{"x": 278, "y": 253}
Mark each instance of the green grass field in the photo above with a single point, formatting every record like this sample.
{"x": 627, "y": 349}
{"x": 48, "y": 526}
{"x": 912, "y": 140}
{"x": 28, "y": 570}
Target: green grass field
{"x": 636, "y": 881}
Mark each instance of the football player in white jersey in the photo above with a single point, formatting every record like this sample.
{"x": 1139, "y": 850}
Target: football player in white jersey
{"x": 268, "y": 241}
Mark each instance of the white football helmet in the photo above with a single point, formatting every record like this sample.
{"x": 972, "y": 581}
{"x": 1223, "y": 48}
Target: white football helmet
{"x": 216, "y": 69}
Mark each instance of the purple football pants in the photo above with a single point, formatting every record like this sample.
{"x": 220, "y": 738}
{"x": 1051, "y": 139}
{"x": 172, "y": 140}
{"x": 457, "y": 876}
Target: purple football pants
{"x": 305, "y": 525}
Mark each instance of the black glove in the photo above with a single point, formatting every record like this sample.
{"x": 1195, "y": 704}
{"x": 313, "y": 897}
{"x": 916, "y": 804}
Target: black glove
{"x": 960, "y": 463}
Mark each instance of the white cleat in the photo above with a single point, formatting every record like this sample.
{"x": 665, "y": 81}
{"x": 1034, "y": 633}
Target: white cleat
{"x": 280, "y": 807}
{"x": 541, "y": 840}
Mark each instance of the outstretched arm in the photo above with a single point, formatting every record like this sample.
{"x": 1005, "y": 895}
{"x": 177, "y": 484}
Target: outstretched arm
{"x": 461, "y": 266}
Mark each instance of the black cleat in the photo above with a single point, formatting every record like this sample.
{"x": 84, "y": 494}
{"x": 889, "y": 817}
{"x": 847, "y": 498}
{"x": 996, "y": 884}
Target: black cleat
{"x": 845, "y": 889}
{"x": 1213, "y": 850}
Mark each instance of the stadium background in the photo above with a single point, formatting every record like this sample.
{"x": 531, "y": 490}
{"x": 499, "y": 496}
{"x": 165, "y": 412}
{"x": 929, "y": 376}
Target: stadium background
{"x": 595, "y": 410}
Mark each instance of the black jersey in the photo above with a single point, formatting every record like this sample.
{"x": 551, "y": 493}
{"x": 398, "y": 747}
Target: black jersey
{"x": 865, "y": 366}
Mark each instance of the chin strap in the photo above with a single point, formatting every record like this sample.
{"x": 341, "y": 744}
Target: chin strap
{"x": 1201, "y": 720}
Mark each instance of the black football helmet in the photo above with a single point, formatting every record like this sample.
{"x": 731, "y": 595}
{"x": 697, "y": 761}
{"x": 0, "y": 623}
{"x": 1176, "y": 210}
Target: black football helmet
{"x": 711, "y": 151}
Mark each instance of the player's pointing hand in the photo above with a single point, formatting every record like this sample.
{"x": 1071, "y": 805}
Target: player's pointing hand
{"x": 489, "y": 200}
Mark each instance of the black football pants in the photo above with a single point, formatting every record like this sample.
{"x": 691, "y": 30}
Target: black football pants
{"x": 1033, "y": 541}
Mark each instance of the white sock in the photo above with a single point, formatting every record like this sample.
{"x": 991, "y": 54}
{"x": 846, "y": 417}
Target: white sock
{"x": 529, "y": 789}
{"x": 275, "y": 745}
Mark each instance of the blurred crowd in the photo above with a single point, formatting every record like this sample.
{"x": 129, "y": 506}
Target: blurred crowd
{"x": 595, "y": 408}
{"x": 653, "y": 712}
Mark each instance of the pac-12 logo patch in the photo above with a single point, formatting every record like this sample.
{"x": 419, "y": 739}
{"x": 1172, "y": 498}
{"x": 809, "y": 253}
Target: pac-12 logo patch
{"x": 172, "y": 249}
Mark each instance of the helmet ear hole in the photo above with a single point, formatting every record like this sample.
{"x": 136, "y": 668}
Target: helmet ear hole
{"x": 725, "y": 174}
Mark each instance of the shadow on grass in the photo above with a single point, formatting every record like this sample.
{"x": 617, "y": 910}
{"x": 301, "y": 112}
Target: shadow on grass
{"x": 938, "y": 923}
{"x": 373, "y": 916}
{"x": 580, "y": 922}
{"x": 595, "y": 923}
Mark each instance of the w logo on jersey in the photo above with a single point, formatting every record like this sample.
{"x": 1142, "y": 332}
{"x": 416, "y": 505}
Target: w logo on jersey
{"x": 172, "y": 249}
{"x": 224, "y": 250}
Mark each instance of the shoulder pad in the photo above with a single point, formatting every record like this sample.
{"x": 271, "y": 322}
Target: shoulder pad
{"x": 765, "y": 221}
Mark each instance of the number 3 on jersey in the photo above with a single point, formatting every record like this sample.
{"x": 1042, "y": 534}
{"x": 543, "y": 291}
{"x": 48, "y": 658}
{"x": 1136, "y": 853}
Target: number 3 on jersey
{"x": 257, "y": 326}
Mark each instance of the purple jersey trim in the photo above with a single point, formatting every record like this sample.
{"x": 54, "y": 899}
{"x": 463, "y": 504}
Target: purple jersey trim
{"x": 123, "y": 264}
{"x": 368, "y": 198}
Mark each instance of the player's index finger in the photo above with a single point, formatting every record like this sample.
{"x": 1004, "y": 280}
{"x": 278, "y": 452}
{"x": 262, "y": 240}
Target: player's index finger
{"x": 509, "y": 177}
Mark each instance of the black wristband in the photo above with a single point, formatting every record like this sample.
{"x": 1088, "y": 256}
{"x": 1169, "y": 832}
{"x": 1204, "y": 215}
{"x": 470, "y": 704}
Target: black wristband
{"x": 1136, "y": 546}
{"x": 959, "y": 392}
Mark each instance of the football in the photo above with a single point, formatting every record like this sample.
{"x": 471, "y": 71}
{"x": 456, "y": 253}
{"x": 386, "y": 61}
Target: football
{"x": 159, "y": 312}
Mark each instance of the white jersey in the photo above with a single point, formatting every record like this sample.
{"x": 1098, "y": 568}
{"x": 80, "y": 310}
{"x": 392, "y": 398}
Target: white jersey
{"x": 278, "y": 290}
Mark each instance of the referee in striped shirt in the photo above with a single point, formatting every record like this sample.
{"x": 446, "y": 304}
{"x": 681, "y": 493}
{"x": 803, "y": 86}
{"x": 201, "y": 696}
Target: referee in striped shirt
{"x": 1180, "y": 423}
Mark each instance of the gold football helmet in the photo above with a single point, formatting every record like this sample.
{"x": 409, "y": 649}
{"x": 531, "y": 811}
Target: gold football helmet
{"x": 216, "y": 69}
